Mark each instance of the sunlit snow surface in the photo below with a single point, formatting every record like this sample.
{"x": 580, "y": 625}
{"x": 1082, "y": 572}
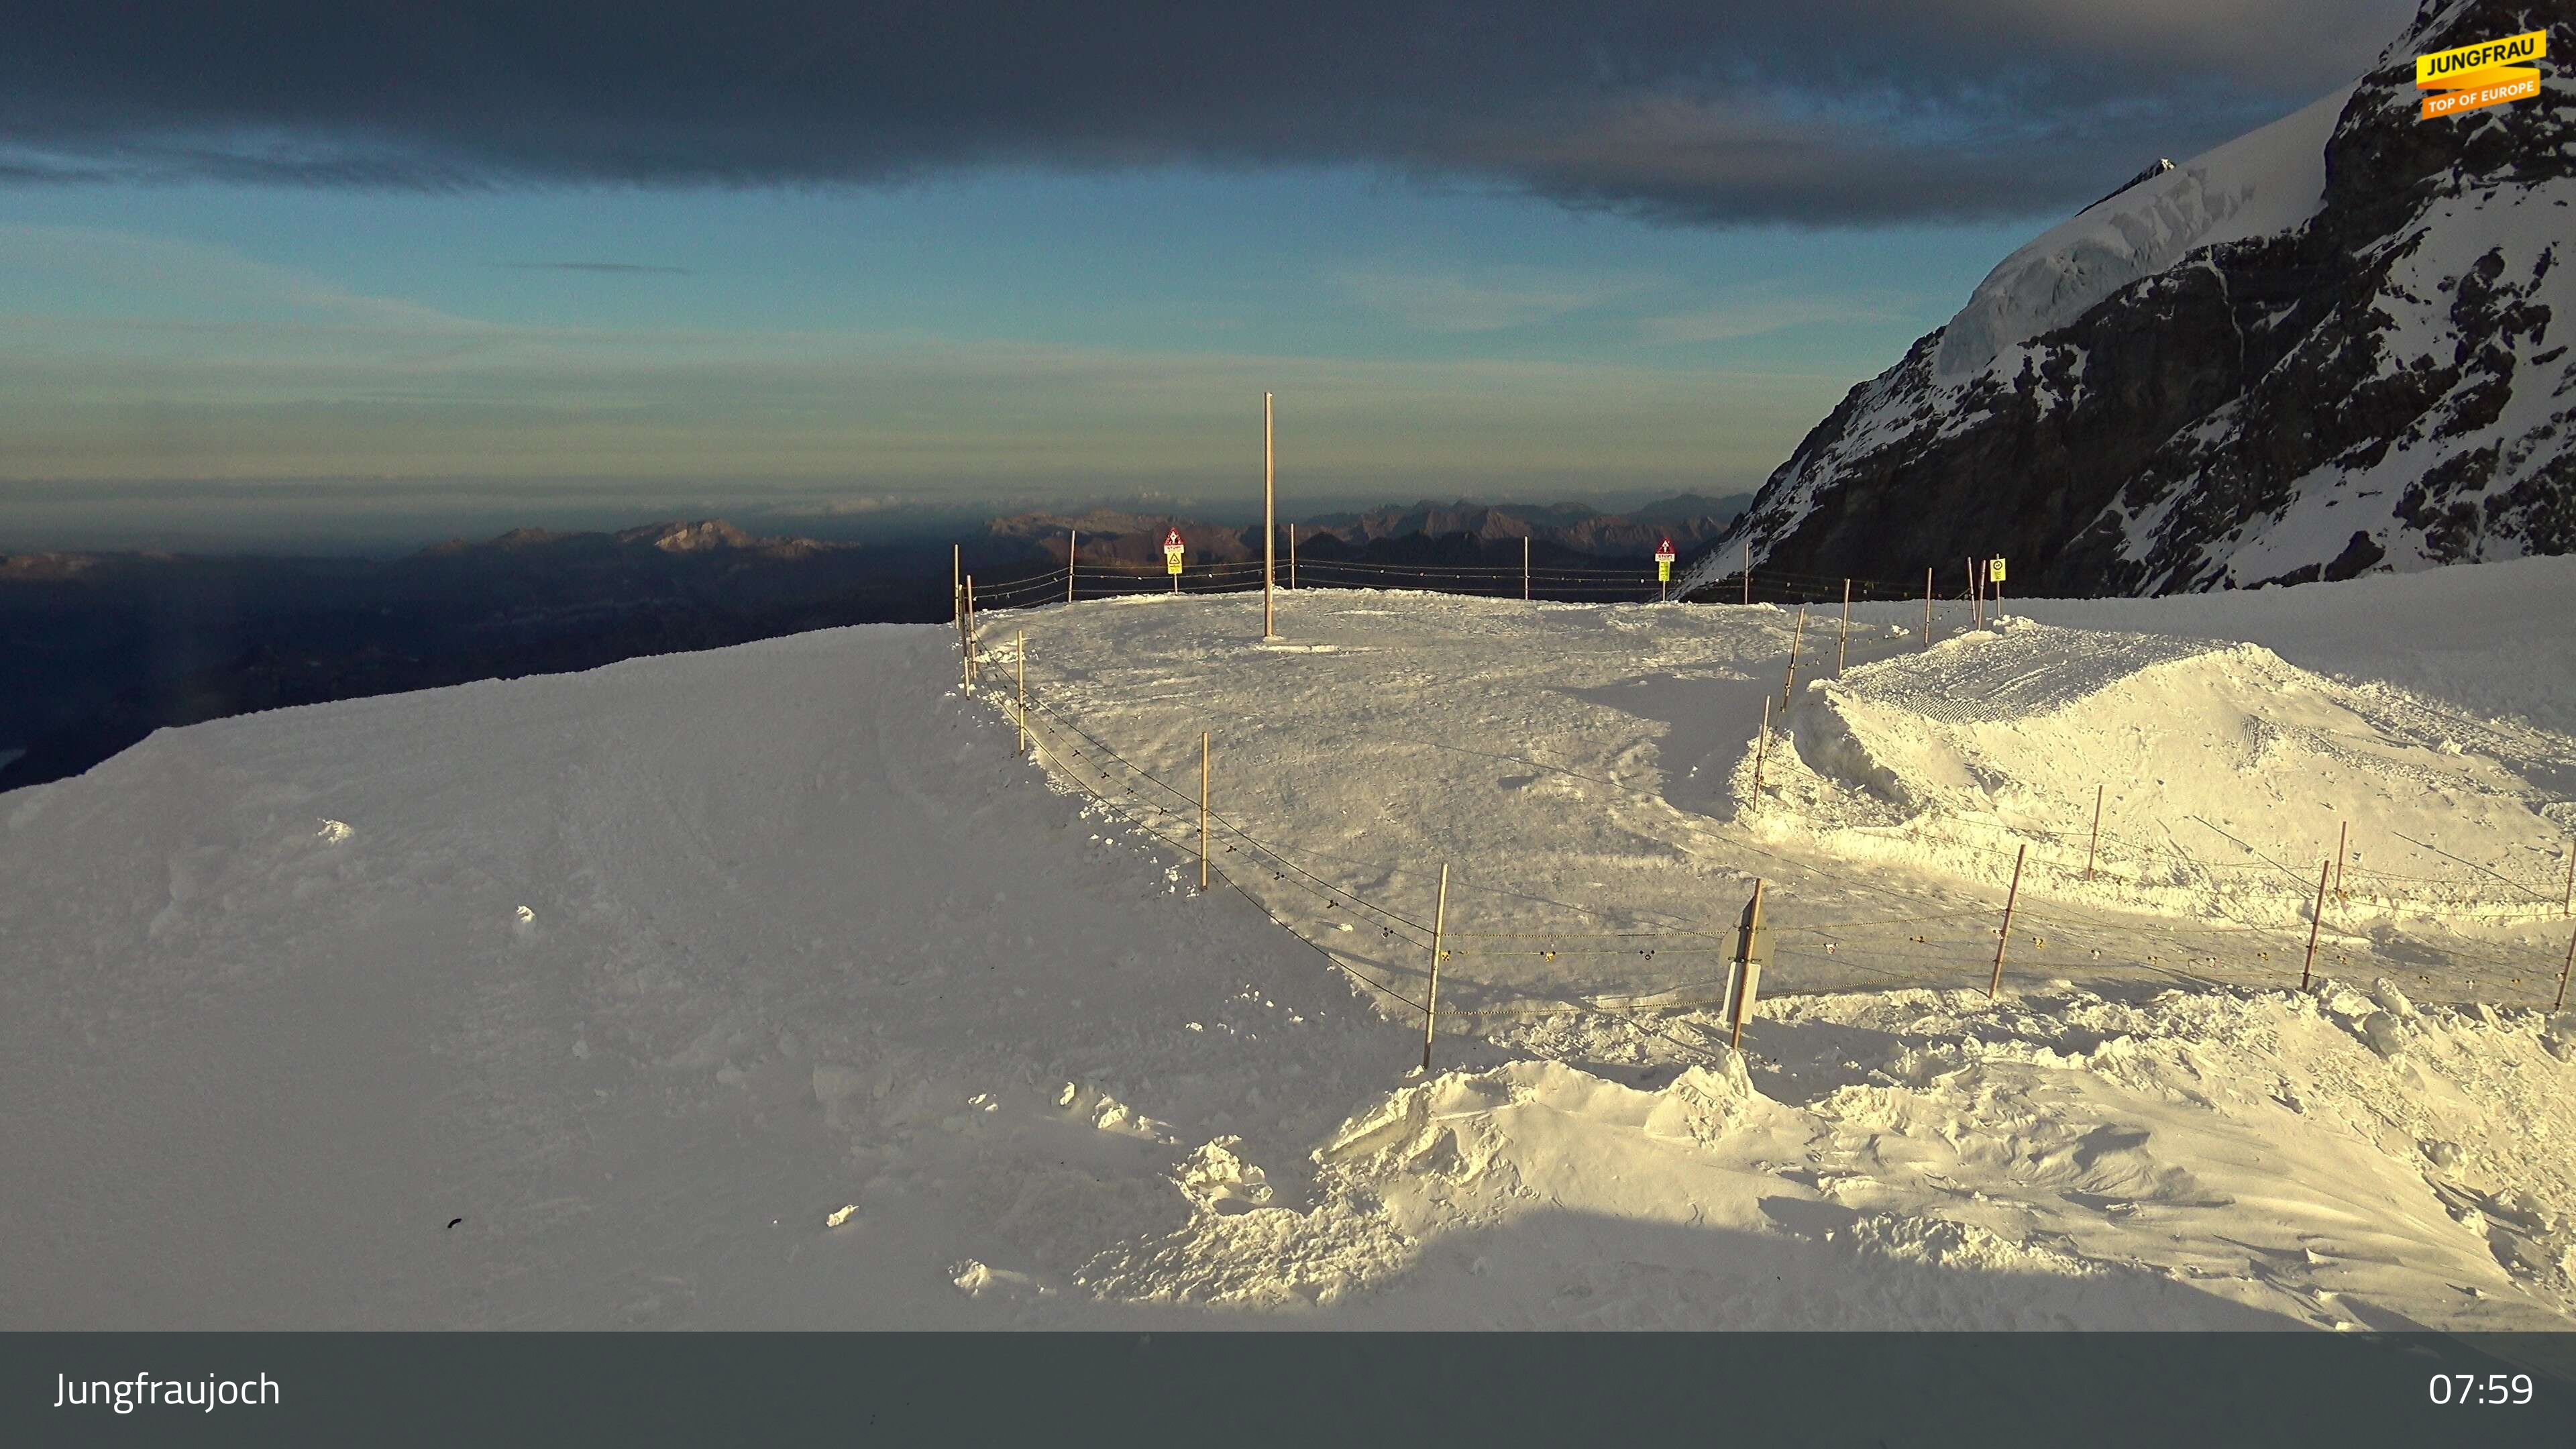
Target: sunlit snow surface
{"x": 647, "y": 973}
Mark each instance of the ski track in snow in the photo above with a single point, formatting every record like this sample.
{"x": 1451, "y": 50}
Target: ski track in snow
{"x": 646, "y": 972}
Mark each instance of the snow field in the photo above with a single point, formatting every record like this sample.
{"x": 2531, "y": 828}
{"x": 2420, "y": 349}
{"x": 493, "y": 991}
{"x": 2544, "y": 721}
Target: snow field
{"x": 1587, "y": 773}
{"x": 772, "y": 987}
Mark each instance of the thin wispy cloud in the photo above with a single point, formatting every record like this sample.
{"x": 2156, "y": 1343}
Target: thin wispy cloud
{"x": 608, "y": 268}
{"x": 230, "y": 367}
{"x": 1485, "y": 301}
{"x": 1757, "y": 312}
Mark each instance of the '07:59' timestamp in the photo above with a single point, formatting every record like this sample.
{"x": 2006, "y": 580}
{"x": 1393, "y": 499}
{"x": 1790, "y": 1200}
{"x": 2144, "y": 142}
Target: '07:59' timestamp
{"x": 2480, "y": 1389}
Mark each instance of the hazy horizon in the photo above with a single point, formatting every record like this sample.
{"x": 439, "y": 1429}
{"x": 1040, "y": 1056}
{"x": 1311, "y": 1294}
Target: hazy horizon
{"x": 350, "y": 517}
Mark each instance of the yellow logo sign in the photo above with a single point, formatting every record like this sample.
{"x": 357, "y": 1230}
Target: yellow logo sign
{"x": 2489, "y": 73}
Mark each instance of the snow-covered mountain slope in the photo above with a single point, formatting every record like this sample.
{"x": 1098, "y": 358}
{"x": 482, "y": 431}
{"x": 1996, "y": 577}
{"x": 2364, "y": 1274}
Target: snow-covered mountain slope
{"x": 2267, "y": 181}
{"x": 2333, "y": 345}
{"x": 828, "y": 1007}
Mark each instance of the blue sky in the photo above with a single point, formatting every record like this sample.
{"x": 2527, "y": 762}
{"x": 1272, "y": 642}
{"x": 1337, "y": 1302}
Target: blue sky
{"x": 293, "y": 275}
{"x": 1019, "y": 336}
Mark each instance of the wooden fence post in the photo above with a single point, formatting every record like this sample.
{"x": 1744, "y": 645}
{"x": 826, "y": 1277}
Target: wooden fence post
{"x": 2316, "y": 923}
{"x": 1431, "y": 999}
{"x": 2564, "y": 972}
{"x": 1843, "y": 649}
{"x": 1203, "y": 810}
{"x": 2003, "y": 938}
{"x": 1744, "y": 972}
{"x": 1761, "y": 747}
{"x": 2343, "y": 837}
{"x": 2095, "y": 844}
{"x": 1795, "y": 640}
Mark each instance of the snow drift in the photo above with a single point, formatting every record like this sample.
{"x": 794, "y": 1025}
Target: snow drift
{"x": 2226, "y": 776}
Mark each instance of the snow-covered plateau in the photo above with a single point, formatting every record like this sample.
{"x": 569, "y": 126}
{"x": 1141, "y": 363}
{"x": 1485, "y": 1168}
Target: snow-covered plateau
{"x": 780, "y": 986}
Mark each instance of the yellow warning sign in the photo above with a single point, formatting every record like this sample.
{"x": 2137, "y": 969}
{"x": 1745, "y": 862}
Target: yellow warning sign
{"x": 1994, "y": 570}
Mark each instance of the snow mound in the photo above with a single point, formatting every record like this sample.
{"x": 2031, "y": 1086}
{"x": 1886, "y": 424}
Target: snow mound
{"x": 2227, "y": 775}
{"x": 1925, "y": 1159}
{"x": 2263, "y": 182}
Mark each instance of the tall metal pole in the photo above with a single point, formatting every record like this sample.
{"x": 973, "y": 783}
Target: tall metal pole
{"x": 1072, "y": 553}
{"x": 1748, "y": 571}
{"x": 1431, "y": 1001}
{"x": 2004, "y": 937}
{"x": 1927, "y": 608}
{"x": 1020, "y": 685}
{"x": 1292, "y": 558}
{"x": 1525, "y": 591}
{"x": 1203, "y": 810}
{"x": 1269, "y": 527}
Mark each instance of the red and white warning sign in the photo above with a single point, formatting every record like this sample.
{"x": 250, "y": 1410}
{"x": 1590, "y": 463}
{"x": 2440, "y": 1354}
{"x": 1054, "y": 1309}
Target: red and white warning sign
{"x": 1664, "y": 561}
{"x": 1172, "y": 549}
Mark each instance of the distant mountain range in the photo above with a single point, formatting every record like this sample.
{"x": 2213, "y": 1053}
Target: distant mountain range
{"x": 107, "y": 647}
{"x": 1689, "y": 519}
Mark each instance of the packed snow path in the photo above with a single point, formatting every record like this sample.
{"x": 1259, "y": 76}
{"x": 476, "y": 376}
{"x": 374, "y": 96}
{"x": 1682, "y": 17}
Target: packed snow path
{"x": 772, "y": 987}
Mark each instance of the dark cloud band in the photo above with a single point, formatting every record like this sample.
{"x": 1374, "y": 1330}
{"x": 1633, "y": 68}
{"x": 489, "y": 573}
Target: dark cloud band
{"x": 1683, "y": 110}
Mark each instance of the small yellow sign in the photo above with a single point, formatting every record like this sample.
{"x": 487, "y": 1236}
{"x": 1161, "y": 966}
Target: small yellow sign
{"x": 1663, "y": 570}
{"x": 2473, "y": 77}
{"x": 1994, "y": 570}
{"x": 1172, "y": 562}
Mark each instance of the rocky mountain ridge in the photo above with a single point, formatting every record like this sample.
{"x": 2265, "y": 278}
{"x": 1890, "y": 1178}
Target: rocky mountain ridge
{"x": 2322, "y": 349}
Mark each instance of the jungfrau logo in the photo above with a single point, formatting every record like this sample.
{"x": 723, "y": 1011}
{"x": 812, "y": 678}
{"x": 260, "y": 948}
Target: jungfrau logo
{"x": 2490, "y": 73}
